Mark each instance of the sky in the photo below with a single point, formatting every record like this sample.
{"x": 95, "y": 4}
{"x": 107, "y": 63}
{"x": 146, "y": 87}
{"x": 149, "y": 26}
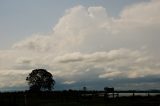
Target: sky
{"x": 92, "y": 43}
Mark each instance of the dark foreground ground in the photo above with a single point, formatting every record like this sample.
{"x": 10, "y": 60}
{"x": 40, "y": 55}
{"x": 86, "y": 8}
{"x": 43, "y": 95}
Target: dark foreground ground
{"x": 70, "y": 98}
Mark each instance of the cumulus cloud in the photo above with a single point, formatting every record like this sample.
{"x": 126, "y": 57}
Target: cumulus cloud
{"x": 81, "y": 27}
{"x": 88, "y": 44}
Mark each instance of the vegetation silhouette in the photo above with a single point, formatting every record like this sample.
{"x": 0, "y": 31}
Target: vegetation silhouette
{"x": 108, "y": 89}
{"x": 40, "y": 80}
{"x": 73, "y": 98}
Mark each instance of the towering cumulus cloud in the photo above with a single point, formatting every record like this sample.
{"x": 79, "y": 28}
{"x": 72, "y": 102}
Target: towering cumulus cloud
{"x": 87, "y": 45}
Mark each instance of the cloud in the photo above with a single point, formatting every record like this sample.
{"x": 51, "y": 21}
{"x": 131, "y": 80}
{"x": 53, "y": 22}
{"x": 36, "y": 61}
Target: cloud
{"x": 81, "y": 27}
{"x": 121, "y": 63}
{"x": 12, "y": 78}
{"x": 69, "y": 82}
{"x": 35, "y": 43}
{"x": 111, "y": 74}
{"x": 88, "y": 44}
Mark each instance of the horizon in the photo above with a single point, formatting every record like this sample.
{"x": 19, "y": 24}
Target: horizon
{"x": 92, "y": 43}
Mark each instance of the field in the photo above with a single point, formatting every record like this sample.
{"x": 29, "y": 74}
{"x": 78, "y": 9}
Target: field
{"x": 72, "y": 98}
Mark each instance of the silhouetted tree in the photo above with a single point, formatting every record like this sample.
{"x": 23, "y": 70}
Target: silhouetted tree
{"x": 40, "y": 79}
{"x": 108, "y": 89}
{"x": 84, "y": 88}
{"x": 105, "y": 89}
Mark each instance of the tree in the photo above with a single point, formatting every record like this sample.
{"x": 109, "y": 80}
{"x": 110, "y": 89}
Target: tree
{"x": 84, "y": 88}
{"x": 108, "y": 89}
{"x": 40, "y": 79}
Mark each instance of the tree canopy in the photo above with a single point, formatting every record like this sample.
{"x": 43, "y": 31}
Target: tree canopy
{"x": 40, "y": 79}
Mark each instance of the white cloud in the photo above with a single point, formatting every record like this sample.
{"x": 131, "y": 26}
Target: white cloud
{"x": 10, "y": 78}
{"x": 37, "y": 42}
{"x": 122, "y": 63}
{"x": 111, "y": 74}
{"x": 88, "y": 39}
{"x": 69, "y": 82}
{"x": 91, "y": 29}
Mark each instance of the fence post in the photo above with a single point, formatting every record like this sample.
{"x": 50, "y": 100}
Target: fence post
{"x": 133, "y": 93}
{"x": 25, "y": 99}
